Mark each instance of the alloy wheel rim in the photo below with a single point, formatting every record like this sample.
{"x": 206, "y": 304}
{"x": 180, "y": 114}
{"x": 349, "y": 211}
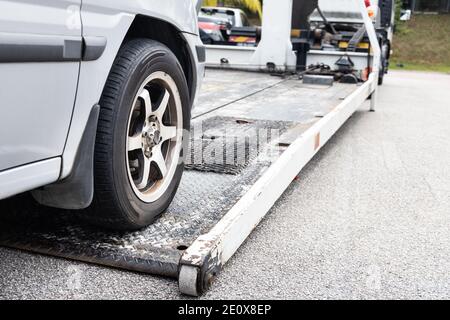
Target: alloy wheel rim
{"x": 154, "y": 137}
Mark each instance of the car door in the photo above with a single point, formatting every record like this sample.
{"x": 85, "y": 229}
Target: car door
{"x": 40, "y": 53}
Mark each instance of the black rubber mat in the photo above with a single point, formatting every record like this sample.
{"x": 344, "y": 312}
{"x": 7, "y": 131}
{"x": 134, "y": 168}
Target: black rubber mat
{"x": 202, "y": 200}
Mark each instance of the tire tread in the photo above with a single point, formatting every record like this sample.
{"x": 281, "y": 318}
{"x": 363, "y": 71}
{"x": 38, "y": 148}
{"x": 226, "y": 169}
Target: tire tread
{"x": 106, "y": 210}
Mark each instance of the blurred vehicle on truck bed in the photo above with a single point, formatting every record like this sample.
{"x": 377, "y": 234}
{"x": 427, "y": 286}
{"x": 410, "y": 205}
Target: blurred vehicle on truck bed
{"x": 234, "y": 24}
{"x": 236, "y": 17}
{"x": 214, "y": 30}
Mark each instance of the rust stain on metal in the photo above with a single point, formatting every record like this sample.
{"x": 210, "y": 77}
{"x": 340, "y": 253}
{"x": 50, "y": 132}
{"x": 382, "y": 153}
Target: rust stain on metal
{"x": 317, "y": 142}
{"x": 207, "y": 245}
{"x": 194, "y": 258}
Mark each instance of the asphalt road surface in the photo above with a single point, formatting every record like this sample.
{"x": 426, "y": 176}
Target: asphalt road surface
{"x": 368, "y": 218}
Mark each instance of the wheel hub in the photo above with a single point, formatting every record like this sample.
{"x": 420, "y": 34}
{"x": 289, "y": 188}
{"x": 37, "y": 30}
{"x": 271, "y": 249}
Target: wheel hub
{"x": 151, "y": 136}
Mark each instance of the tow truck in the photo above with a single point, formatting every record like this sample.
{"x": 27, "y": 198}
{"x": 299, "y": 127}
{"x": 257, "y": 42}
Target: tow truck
{"x": 264, "y": 92}
{"x": 338, "y": 27}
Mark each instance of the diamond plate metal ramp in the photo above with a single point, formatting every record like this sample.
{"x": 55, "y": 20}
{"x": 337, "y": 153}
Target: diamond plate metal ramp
{"x": 233, "y": 143}
{"x": 213, "y": 212}
{"x": 203, "y": 199}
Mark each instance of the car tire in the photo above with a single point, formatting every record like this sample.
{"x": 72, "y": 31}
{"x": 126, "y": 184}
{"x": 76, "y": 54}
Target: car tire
{"x": 144, "y": 118}
{"x": 384, "y": 63}
{"x": 381, "y": 78}
{"x": 382, "y": 72}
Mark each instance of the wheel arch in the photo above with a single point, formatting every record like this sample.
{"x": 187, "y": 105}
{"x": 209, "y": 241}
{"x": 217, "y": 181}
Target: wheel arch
{"x": 64, "y": 194}
{"x": 155, "y": 29}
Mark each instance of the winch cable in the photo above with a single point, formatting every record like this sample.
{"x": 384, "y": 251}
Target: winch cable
{"x": 295, "y": 76}
{"x": 325, "y": 20}
{"x": 240, "y": 99}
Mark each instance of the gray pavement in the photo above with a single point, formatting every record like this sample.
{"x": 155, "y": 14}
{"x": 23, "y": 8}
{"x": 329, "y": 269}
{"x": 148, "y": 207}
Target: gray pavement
{"x": 368, "y": 218}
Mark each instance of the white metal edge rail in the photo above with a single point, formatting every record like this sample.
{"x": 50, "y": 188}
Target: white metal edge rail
{"x": 202, "y": 261}
{"x": 373, "y": 77}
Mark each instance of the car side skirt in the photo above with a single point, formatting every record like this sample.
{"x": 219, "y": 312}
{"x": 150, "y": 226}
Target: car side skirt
{"x": 30, "y": 176}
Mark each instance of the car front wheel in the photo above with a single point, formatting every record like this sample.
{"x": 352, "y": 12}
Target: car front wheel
{"x": 144, "y": 117}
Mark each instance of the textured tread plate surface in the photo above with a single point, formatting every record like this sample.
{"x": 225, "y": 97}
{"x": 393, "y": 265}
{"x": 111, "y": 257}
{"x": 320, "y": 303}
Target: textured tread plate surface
{"x": 202, "y": 200}
{"x": 204, "y": 197}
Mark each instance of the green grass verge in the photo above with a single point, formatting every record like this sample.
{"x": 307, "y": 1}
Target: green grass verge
{"x": 423, "y": 44}
{"x": 420, "y": 67}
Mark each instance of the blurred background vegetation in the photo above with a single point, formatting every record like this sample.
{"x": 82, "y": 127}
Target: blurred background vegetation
{"x": 423, "y": 43}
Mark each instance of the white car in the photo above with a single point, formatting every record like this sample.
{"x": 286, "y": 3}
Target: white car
{"x": 96, "y": 97}
{"x": 236, "y": 17}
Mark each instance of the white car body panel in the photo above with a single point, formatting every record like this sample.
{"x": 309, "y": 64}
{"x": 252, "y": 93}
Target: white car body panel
{"x": 51, "y": 115}
{"x": 182, "y": 14}
{"x": 30, "y": 102}
{"x": 28, "y": 177}
{"x": 107, "y": 18}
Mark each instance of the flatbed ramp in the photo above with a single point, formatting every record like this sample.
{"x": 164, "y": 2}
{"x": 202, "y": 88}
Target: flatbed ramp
{"x": 218, "y": 204}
